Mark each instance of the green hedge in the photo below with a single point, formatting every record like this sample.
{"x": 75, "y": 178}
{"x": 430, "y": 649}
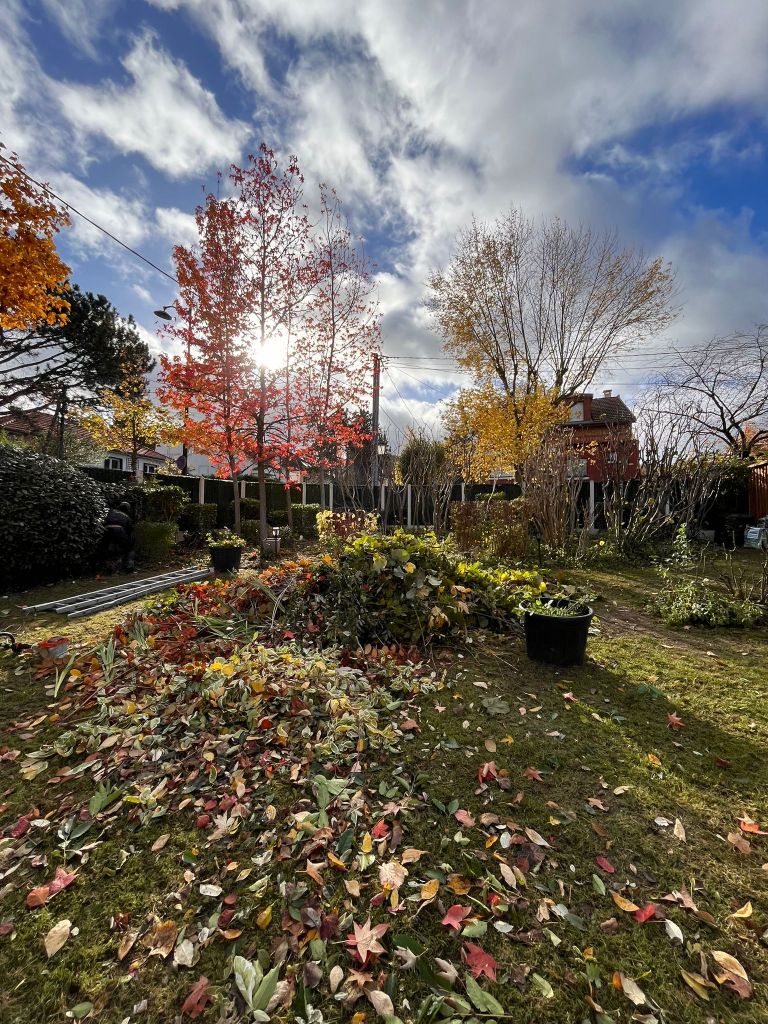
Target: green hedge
{"x": 51, "y": 516}
{"x": 249, "y": 508}
{"x": 154, "y": 541}
{"x": 199, "y": 518}
{"x": 164, "y": 504}
{"x": 249, "y": 528}
{"x": 305, "y": 520}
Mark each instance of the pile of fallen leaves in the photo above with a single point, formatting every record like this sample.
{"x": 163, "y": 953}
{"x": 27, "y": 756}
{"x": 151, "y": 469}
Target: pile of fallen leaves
{"x": 288, "y": 765}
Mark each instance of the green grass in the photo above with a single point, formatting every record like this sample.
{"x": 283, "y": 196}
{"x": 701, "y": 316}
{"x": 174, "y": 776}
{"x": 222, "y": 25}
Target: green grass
{"x": 615, "y": 734}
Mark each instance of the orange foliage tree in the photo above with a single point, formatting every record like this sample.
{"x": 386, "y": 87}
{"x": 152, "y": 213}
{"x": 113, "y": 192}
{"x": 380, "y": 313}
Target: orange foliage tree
{"x": 33, "y": 277}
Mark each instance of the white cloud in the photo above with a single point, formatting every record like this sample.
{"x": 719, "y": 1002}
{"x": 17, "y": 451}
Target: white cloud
{"x": 165, "y": 114}
{"x": 178, "y": 227}
{"x": 123, "y": 215}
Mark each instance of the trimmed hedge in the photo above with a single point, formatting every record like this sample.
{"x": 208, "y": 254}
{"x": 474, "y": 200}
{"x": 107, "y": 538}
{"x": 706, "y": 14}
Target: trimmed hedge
{"x": 199, "y": 518}
{"x": 51, "y": 517}
{"x": 154, "y": 541}
{"x": 249, "y": 528}
{"x": 305, "y": 520}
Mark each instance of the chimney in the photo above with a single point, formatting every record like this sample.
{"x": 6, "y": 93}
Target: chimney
{"x": 607, "y": 393}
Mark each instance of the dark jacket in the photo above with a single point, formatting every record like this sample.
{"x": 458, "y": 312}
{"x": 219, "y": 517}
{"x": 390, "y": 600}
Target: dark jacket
{"x": 117, "y": 518}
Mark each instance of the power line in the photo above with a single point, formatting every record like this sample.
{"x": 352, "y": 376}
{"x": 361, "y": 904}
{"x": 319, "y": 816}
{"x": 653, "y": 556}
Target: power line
{"x": 93, "y": 223}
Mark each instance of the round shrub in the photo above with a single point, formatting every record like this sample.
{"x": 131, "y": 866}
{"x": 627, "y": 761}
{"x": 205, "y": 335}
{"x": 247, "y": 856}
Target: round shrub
{"x": 199, "y": 519}
{"x": 51, "y": 516}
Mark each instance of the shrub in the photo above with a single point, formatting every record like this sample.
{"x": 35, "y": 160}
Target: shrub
{"x": 163, "y": 504}
{"x": 225, "y": 538}
{"x": 498, "y": 528}
{"x": 688, "y": 601}
{"x": 251, "y": 531}
{"x": 305, "y": 520}
{"x": 126, "y": 490}
{"x": 154, "y": 540}
{"x": 249, "y": 508}
{"x": 403, "y": 588}
{"x": 199, "y": 519}
{"x": 50, "y": 517}
{"x": 336, "y": 529}
{"x": 278, "y": 517}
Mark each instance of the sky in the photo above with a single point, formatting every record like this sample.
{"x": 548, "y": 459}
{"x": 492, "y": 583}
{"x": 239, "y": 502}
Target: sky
{"x": 645, "y": 116}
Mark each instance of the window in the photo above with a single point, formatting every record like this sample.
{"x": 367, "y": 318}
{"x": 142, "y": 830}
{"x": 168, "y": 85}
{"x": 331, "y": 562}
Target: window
{"x": 113, "y": 462}
{"x": 577, "y": 412}
{"x": 576, "y": 469}
{"x": 149, "y": 469}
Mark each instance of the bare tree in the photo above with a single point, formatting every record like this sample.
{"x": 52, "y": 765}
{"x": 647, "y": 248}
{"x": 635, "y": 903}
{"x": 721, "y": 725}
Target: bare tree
{"x": 666, "y": 477}
{"x": 425, "y": 464}
{"x": 722, "y": 390}
{"x": 552, "y": 490}
{"x": 542, "y": 305}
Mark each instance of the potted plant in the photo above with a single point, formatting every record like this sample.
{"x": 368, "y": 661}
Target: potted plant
{"x": 556, "y": 629}
{"x": 226, "y": 550}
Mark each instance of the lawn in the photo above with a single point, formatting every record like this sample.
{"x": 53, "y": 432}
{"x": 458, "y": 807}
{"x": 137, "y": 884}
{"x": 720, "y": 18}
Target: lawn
{"x": 527, "y": 843}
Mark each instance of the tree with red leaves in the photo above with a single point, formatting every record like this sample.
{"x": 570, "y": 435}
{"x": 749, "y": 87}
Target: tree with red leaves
{"x": 281, "y": 275}
{"x": 342, "y": 333}
{"x": 215, "y": 382}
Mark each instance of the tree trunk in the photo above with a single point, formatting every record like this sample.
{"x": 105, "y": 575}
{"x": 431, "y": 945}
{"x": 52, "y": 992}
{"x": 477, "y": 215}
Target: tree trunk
{"x": 289, "y": 507}
{"x": 322, "y": 489}
{"x": 261, "y": 428}
{"x": 236, "y": 490}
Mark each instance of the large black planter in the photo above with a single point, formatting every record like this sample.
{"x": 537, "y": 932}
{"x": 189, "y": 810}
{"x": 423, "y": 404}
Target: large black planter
{"x": 556, "y": 639}
{"x": 226, "y": 559}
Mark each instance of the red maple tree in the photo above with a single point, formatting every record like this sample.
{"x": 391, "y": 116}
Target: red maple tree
{"x": 214, "y": 381}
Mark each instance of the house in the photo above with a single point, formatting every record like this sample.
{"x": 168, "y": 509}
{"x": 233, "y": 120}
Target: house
{"x": 605, "y": 447}
{"x": 28, "y": 423}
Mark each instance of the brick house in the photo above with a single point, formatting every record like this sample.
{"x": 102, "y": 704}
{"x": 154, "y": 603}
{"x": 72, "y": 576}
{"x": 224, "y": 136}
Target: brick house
{"x": 604, "y": 444}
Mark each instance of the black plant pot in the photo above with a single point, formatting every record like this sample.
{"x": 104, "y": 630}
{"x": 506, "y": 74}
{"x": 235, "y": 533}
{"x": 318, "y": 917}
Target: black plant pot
{"x": 226, "y": 560}
{"x": 556, "y": 639}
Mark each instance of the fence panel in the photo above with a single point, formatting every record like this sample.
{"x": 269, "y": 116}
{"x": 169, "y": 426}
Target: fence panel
{"x": 107, "y": 476}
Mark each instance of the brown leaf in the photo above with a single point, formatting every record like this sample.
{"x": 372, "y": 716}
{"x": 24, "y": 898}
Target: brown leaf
{"x": 197, "y": 999}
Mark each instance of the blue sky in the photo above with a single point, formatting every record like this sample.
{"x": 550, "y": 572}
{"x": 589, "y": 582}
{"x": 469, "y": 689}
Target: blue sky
{"x": 645, "y": 116}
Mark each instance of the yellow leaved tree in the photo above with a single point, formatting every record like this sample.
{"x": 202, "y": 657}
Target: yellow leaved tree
{"x": 489, "y": 431}
{"x": 128, "y": 420}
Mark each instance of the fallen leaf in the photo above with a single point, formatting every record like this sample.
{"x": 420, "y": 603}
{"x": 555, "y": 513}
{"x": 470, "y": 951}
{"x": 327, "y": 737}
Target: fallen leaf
{"x": 605, "y": 865}
{"x": 743, "y": 912}
{"x": 643, "y": 914}
{"x": 455, "y": 915}
{"x": 623, "y": 904}
{"x": 381, "y": 1003}
{"x": 674, "y": 722}
{"x": 57, "y": 936}
{"x": 479, "y": 962}
{"x": 365, "y": 939}
{"x": 197, "y": 999}
{"x": 679, "y": 831}
{"x": 429, "y": 889}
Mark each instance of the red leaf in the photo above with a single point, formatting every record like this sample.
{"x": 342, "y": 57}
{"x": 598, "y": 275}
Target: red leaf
{"x": 533, "y": 773}
{"x": 455, "y": 916}
{"x": 645, "y": 913}
{"x": 487, "y": 771}
{"x": 380, "y": 829}
{"x": 479, "y": 962}
{"x": 605, "y": 865}
{"x": 197, "y": 999}
{"x": 61, "y": 880}
{"x": 674, "y": 721}
{"x": 20, "y": 828}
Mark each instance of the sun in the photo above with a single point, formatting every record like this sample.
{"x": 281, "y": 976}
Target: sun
{"x": 274, "y": 353}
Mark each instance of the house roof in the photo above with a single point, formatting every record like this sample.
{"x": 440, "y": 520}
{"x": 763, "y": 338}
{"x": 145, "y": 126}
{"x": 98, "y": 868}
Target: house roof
{"x": 611, "y": 409}
{"x": 31, "y": 422}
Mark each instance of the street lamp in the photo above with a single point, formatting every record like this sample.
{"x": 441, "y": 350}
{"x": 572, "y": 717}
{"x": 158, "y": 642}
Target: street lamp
{"x": 276, "y": 539}
{"x": 163, "y": 313}
{"x": 183, "y": 461}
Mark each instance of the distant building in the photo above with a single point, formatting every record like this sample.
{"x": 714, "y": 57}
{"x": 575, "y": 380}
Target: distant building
{"x": 603, "y": 441}
{"x": 25, "y": 423}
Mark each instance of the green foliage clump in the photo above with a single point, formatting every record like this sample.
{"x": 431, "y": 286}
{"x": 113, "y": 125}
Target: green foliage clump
{"x": 278, "y": 517}
{"x": 403, "y": 588}
{"x": 51, "y": 516}
{"x": 249, "y": 508}
{"x": 164, "y": 504}
{"x": 251, "y": 531}
{"x": 305, "y": 520}
{"x": 487, "y": 496}
{"x": 127, "y": 490}
{"x": 199, "y": 519}
{"x": 154, "y": 540}
{"x": 225, "y": 538}
{"x": 688, "y": 600}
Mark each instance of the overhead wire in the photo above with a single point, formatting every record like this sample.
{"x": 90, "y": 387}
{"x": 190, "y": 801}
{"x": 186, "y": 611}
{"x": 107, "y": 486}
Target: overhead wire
{"x": 90, "y": 221}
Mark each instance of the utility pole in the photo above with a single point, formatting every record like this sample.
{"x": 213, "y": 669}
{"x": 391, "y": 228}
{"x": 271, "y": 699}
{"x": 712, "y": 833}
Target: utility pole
{"x": 375, "y": 418}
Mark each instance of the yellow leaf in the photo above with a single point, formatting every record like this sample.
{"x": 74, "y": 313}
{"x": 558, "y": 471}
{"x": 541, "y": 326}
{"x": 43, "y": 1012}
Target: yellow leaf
{"x": 743, "y": 912}
{"x": 729, "y": 963}
{"x": 652, "y": 759}
{"x": 265, "y": 918}
{"x": 623, "y": 904}
{"x": 694, "y": 981}
{"x": 367, "y": 844}
{"x": 429, "y": 889}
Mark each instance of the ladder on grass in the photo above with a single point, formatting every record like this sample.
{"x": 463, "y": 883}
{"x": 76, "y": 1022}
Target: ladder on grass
{"x": 108, "y": 597}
